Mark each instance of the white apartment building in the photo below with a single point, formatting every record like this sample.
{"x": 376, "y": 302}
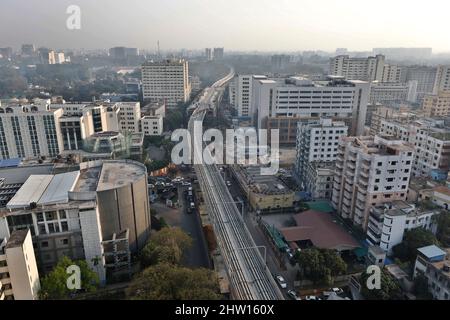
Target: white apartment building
{"x": 19, "y": 276}
{"x": 318, "y": 179}
{"x": 166, "y": 80}
{"x": 281, "y": 103}
{"x": 364, "y": 69}
{"x": 75, "y": 213}
{"x": 370, "y": 170}
{"x": 390, "y": 93}
{"x": 29, "y": 131}
{"x": 389, "y": 221}
{"x": 244, "y": 93}
{"x": 152, "y": 125}
{"x": 129, "y": 116}
{"x": 317, "y": 141}
{"x": 442, "y": 82}
{"x": 430, "y": 139}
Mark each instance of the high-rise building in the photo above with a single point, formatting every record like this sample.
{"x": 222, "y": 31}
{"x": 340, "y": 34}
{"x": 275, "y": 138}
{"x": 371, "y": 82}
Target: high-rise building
{"x": 425, "y": 77}
{"x": 365, "y": 69}
{"x": 389, "y": 221}
{"x": 430, "y": 139}
{"x": 218, "y": 53}
{"x": 437, "y": 105}
{"x": 442, "y": 82}
{"x": 243, "y": 94}
{"x": 317, "y": 141}
{"x": 280, "y": 61}
{"x": 84, "y": 214}
{"x": 166, "y": 80}
{"x": 389, "y": 93}
{"x": 370, "y": 171}
{"x": 19, "y": 276}
{"x": 281, "y": 103}
{"x": 28, "y": 49}
{"x": 392, "y": 73}
{"x": 209, "y": 54}
{"x": 29, "y": 131}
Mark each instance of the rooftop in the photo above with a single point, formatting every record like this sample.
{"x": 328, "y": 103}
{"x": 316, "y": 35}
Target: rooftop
{"x": 17, "y": 238}
{"x": 432, "y": 251}
{"x": 321, "y": 229}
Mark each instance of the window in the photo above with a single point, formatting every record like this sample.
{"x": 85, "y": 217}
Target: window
{"x": 65, "y": 241}
{"x": 44, "y": 244}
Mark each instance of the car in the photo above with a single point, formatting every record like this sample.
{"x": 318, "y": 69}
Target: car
{"x": 185, "y": 184}
{"x": 311, "y": 298}
{"x": 281, "y": 282}
{"x": 337, "y": 290}
{"x": 228, "y": 183}
{"x": 293, "y": 295}
{"x": 190, "y": 189}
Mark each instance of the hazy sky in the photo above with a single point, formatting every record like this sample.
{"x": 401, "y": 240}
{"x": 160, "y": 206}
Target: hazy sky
{"x": 265, "y": 25}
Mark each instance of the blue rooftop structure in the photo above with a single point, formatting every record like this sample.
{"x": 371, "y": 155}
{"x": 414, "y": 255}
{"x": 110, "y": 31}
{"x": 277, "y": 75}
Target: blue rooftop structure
{"x": 10, "y": 163}
{"x": 432, "y": 253}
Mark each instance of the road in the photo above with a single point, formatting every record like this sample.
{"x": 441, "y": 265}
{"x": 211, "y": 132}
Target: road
{"x": 249, "y": 275}
{"x": 197, "y": 255}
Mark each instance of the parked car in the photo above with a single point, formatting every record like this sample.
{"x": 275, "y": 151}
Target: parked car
{"x": 186, "y": 184}
{"x": 228, "y": 183}
{"x": 281, "y": 282}
{"x": 293, "y": 295}
{"x": 311, "y": 298}
{"x": 337, "y": 290}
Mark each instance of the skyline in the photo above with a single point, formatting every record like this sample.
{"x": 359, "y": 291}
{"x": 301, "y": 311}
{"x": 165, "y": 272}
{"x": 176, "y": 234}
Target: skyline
{"x": 251, "y": 26}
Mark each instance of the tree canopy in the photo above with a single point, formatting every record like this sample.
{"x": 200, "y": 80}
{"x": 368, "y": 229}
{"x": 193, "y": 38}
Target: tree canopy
{"x": 412, "y": 240}
{"x": 443, "y": 228}
{"x": 54, "y": 285}
{"x": 168, "y": 282}
{"x": 389, "y": 288}
{"x": 165, "y": 246}
{"x": 320, "y": 265}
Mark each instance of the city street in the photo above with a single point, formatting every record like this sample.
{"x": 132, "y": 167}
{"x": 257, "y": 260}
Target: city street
{"x": 197, "y": 255}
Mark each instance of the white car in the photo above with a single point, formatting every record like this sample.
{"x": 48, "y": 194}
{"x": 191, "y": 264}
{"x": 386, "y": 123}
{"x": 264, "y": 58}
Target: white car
{"x": 311, "y": 298}
{"x": 228, "y": 184}
{"x": 281, "y": 282}
{"x": 337, "y": 290}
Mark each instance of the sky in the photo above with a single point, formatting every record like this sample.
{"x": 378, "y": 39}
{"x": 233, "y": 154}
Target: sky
{"x": 244, "y": 25}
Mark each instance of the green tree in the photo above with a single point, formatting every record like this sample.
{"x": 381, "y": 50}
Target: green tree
{"x": 320, "y": 265}
{"x": 54, "y": 284}
{"x": 171, "y": 282}
{"x": 443, "y": 228}
{"x": 412, "y": 240}
{"x": 165, "y": 246}
{"x": 389, "y": 288}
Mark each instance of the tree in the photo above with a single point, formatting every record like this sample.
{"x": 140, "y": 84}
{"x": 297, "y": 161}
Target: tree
{"x": 169, "y": 282}
{"x": 54, "y": 285}
{"x": 320, "y": 265}
{"x": 165, "y": 246}
{"x": 389, "y": 288}
{"x": 412, "y": 240}
{"x": 443, "y": 228}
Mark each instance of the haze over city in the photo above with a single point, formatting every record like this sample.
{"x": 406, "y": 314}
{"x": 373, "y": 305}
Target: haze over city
{"x": 285, "y": 25}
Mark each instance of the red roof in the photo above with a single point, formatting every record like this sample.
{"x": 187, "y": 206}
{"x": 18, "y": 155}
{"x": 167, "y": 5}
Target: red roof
{"x": 321, "y": 229}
